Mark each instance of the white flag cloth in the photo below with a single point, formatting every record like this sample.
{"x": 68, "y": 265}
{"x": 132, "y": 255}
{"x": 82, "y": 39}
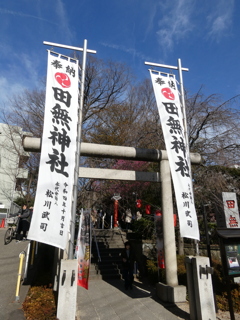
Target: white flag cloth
{"x": 167, "y": 97}
{"x": 52, "y": 208}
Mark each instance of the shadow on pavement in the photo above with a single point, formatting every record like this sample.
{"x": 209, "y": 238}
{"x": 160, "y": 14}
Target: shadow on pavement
{"x": 135, "y": 293}
{"x": 142, "y": 289}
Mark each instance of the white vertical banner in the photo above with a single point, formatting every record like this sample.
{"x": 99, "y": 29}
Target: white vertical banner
{"x": 167, "y": 97}
{"x": 52, "y": 208}
{"x": 230, "y": 209}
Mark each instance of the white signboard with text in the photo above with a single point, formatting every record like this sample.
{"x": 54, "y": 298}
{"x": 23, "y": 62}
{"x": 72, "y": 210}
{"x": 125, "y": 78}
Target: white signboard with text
{"x": 230, "y": 209}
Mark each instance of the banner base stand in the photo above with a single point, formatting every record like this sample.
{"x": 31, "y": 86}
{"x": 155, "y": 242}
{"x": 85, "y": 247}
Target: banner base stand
{"x": 67, "y": 292}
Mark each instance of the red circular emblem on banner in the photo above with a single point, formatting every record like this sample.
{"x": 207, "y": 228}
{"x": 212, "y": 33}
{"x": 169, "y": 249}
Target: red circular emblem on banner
{"x": 167, "y": 92}
{"x": 63, "y": 79}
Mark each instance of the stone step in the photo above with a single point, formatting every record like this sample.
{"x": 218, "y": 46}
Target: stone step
{"x": 103, "y": 258}
{"x": 106, "y": 263}
{"x": 103, "y": 262}
{"x": 107, "y": 251}
{"x": 110, "y": 244}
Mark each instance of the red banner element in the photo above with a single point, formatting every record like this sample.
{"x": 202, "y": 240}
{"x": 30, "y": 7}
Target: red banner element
{"x": 161, "y": 260}
{"x": 148, "y": 209}
{"x": 138, "y": 203}
{"x": 83, "y": 249}
{"x": 175, "y": 219}
{"x": 115, "y": 214}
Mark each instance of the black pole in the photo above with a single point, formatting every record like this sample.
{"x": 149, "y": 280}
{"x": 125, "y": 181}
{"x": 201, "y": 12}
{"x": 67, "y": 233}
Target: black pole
{"x": 230, "y": 302}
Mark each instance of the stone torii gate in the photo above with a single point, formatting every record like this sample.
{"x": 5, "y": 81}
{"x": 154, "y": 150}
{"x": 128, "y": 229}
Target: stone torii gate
{"x": 170, "y": 292}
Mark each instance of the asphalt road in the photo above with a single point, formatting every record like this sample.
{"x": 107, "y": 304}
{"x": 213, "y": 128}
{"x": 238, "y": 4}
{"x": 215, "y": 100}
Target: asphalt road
{"x": 10, "y": 306}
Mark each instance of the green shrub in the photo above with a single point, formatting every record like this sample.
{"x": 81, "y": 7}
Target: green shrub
{"x": 219, "y": 285}
{"x": 152, "y": 271}
{"x": 181, "y": 270}
{"x": 220, "y": 289}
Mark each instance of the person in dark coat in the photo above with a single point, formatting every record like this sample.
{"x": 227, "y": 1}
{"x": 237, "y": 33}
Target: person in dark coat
{"x": 128, "y": 259}
{"x": 23, "y": 223}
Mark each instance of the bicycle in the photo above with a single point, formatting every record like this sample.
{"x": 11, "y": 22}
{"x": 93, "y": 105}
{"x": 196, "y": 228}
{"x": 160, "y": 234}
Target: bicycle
{"x": 12, "y": 229}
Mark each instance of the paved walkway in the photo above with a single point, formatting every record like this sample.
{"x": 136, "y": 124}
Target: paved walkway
{"x": 110, "y": 301}
{"x": 104, "y": 300}
{"x": 9, "y": 265}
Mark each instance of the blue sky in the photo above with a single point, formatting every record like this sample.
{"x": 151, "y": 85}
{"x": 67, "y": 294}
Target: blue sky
{"x": 204, "y": 34}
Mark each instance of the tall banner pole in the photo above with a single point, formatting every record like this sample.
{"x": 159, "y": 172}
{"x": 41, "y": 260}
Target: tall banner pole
{"x": 67, "y": 293}
{"x": 186, "y": 129}
{"x": 78, "y": 142}
{"x": 75, "y": 187}
{"x": 173, "y": 120}
{"x": 184, "y": 110}
{"x": 183, "y": 100}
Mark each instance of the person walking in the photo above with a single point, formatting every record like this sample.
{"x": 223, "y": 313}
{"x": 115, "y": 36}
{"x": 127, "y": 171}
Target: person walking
{"x": 24, "y": 216}
{"x": 99, "y": 219}
{"x": 128, "y": 259}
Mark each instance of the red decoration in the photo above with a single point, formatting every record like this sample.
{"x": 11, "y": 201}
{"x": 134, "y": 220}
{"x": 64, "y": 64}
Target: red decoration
{"x": 167, "y": 92}
{"x": 138, "y": 203}
{"x": 63, "y": 79}
{"x": 175, "y": 219}
{"x": 158, "y": 213}
{"x": 161, "y": 260}
{"x": 148, "y": 209}
{"x": 115, "y": 214}
{"x": 230, "y": 204}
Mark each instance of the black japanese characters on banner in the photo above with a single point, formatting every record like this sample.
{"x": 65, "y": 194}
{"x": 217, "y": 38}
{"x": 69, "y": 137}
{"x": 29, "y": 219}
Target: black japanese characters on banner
{"x": 175, "y": 128}
{"x": 170, "y": 112}
{"x": 56, "y": 173}
{"x": 60, "y": 140}
{"x": 62, "y": 121}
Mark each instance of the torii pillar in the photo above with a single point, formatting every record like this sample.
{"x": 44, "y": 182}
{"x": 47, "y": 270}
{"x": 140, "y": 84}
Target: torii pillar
{"x": 170, "y": 292}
